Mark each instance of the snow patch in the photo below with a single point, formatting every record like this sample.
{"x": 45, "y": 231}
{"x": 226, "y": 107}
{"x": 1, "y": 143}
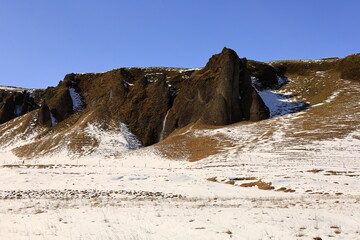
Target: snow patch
{"x": 189, "y": 70}
{"x": 330, "y": 99}
{"x": 17, "y": 110}
{"x": 278, "y": 103}
{"x": 132, "y": 142}
{"x": 168, "y": 69}
{"x": 127, "y": 84}
{"x": 111, "y": 142}
{"x": 54, "y": 121}
{"x": 76, "y": 100}
{"x": 281, "y": 81}
{"x": 16, "y": 89}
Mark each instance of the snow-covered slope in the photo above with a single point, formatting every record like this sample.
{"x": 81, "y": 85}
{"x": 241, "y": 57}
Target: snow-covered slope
{"x": 279, "y": 102}
{"x": 24, "y": 137}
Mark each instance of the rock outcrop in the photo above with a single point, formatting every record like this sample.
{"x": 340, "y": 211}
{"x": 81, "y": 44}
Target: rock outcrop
{"x": 88, "y": 112}
{"x": 45, "y": 115}
{"x": 15, "y": 104}
{"x": 7, "y": 111}
{"x": 219, "y": 94}
{"x": 152, "y": 102}
{"x": 266, "y": 75}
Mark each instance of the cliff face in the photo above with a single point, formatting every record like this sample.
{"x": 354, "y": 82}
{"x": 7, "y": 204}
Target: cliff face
{"x": 219, "y": 94}
{"x": 15, "y": 103}
{"x": 152, "y": 102}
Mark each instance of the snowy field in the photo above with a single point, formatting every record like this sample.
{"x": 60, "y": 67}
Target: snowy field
{"x": 145, "y": 196}
{"x": 289, "y": 177}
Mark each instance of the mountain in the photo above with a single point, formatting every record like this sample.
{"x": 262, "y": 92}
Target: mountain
{"x": 107, "y": 114}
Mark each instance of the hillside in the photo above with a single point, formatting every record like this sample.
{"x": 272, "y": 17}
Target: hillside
{"x": 149, "y": 102}
{"x": 326, "y": 112}
{"x": 238, "y": 149}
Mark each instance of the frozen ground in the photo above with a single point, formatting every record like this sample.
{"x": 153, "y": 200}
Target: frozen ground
{"x": 144, "y": 196}
{"x": 309, "y": 162}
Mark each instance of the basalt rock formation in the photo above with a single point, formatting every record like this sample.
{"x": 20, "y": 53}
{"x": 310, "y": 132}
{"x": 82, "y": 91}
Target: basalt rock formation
{"x": 265, "y": 73}
{"x": 15, "y": 104}
{"x": 151, "y": 102}
{"x": 154, "y": 102}
{"x": 219, "y": 94}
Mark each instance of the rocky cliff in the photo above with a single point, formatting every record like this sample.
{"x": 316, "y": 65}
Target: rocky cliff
{"x": 150, "y": 103}
{"x": 16, "y": 102}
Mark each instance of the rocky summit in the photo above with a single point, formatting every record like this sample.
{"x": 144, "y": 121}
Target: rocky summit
{"x": 90, "y": 113}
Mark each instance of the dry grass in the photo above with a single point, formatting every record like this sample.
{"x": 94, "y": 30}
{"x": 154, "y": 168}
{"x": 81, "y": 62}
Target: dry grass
{"x": 315, "y": 170}
{"x": 212, "y": 179}
{"x": 231, "y": 182}
{"x": 183, "y": 144}
{"x": 244, "y": 178}
{"x": 284, "y": 189}
{"x": 260, "y": 184}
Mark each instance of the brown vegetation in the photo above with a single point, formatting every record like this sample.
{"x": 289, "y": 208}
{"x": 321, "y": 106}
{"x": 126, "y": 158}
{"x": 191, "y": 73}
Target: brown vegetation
{"x": 260, "y": 184}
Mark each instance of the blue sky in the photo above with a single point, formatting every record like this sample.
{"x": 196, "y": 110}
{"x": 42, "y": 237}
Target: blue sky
{"x": 42, "y": 40}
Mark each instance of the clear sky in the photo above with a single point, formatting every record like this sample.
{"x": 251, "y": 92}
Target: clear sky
{"x": 42, "y": 40}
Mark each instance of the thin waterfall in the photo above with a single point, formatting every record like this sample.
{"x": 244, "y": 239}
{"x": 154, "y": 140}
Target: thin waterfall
{"x": 163, "y": 127}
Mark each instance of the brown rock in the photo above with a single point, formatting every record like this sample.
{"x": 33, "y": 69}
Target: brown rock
{"x": 59, "y": 101}
{"x": 267, "y": 75}
{"x": 219, "y": 94}
{"x": 153, "y": 102}
{"x": 7, "y": 110}
{"x": 15, "y": 104}
{"x": 44, "y": 116}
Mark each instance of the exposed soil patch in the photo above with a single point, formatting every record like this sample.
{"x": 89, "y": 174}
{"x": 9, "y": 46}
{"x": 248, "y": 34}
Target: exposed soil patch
{"x": 243, "y": 178}
{"x": 183, "y": 144}
{"x": 284, "y": 189}
{"x": 231, "y": 182}
{"x": 212, "y": 179}
{"x": 260, "y": 184}
{"x": 315, "y": 170}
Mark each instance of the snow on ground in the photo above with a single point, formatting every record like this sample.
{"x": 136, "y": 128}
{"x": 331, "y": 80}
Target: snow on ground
{"x": 110, "y": 143}
{"x": 132, "y": 143}
{"x": 142, "y": 195}
{"x": 10, "y": 141}
{"x": 278, "y": 102}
